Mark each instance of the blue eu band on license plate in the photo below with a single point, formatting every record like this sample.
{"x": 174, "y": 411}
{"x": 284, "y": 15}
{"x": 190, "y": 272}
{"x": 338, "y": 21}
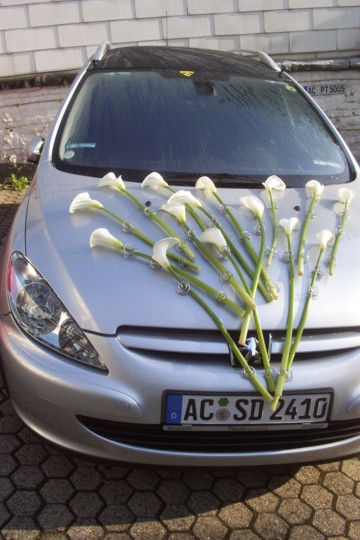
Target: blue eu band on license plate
{"x": 246, "y": 411}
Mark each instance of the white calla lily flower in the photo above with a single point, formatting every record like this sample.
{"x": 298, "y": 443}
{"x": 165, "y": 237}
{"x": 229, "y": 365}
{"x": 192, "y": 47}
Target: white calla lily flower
{"x": 176, "y": 209}
{"x": 103, "y": 238}
{"x": 253, "y": 204}
{"x": 160, "y": 249}
{"x": 184, "y": 197}
{"x": 274, "y": 183}
{"x": 290, "y": 225}
{"x": 83, "y": 201}
{"x": 110, "y": 181}
{"x": 213, "y": 236}
{"x": 313, "y": 188}
{"x": 325, "y": 237}
{"x": 154, "y": 180}
{"x": 346, "y": 195}
{"x": 206, "y": 184}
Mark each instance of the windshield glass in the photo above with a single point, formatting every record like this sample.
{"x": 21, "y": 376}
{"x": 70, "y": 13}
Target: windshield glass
{"x": 235, "y": 128}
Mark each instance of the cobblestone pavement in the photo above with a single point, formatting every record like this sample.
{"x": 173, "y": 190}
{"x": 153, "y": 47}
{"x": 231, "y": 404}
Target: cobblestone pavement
{"x": 45, "y": 494}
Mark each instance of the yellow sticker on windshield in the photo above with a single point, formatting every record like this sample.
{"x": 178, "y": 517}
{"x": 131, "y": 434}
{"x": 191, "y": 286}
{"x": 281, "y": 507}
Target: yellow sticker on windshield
{"x": 187, "y": 73}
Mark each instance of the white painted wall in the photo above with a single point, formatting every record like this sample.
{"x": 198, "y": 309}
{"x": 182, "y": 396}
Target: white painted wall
{"x": 38, "y": 36}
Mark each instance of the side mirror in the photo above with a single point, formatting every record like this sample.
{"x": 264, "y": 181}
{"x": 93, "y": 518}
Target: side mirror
{"x": 34, "y": 149}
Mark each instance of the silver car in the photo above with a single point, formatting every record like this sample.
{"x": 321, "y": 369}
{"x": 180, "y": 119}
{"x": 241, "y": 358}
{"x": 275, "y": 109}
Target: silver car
{"x": 180, "y": 285}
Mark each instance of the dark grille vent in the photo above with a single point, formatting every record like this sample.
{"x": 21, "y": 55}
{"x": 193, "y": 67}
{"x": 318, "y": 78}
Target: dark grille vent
{"x": 154, "y": 437}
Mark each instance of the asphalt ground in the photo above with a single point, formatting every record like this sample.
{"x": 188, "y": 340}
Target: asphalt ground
{"x": 45, "y": 494}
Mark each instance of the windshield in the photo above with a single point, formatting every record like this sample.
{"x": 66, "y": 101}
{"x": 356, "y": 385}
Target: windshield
{"x": 236, "y": 128}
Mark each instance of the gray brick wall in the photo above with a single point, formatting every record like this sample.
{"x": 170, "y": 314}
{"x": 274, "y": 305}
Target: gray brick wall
{"x": 53, "y": 35}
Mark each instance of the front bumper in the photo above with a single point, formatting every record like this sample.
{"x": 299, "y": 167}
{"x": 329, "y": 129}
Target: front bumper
{"x": 92, "y": 413}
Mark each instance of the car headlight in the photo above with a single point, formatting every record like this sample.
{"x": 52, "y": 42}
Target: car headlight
{"x": 41, "y": 314}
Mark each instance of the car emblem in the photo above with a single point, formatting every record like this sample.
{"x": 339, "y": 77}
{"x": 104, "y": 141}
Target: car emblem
{"x": 250, "y": 352}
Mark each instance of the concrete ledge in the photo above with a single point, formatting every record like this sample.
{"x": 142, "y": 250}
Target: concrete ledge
{"x": 333, "y": 64}
{"x": 66, "y": 77}
{"x": 38, "y": 80}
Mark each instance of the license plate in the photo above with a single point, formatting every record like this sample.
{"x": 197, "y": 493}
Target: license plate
{"x": 234, "y": 412}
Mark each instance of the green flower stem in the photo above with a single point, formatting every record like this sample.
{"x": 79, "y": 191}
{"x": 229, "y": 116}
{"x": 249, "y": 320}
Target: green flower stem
{"x": 301, "y": 254}
{"x": 147, "y": 240}
{"x": 162, "y": 224}
{"x": 289, "y": 331}
{"x": 249, "y": 372}
{"x": 337, "y": 240}
{"x": 259, "y": 332}
{"x": 275, "y": 229}
{"x": 305, "y": 312}
{"x": 263, "y": 290}
{"x": 250, "y": 249}
{"x": 265, "y": 293}
{"x": 254, "y": 286}
{"x": 223, "y": 270}
{"x": 208, "y": 289}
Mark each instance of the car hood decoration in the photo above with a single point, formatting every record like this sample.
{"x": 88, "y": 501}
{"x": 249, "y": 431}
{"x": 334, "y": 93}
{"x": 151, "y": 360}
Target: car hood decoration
{"x": 101, "y": 300}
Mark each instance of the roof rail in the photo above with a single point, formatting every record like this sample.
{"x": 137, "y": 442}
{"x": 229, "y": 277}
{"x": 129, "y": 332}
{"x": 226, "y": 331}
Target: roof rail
{"x": 100, "y": 51}
{"x": 263, "y": 57}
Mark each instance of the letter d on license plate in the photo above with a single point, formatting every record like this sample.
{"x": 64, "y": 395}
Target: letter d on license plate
{"x": 241, "y": 411}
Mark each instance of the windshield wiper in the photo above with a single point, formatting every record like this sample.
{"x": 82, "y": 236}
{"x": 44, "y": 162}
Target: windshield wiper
{"x": 224, "y": 179}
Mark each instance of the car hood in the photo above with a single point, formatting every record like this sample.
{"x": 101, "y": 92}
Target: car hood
{"x": 103, "y": 290}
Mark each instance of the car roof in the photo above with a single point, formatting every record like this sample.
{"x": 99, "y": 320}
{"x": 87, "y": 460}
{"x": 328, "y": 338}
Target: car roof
{"x": 182, "y": 59}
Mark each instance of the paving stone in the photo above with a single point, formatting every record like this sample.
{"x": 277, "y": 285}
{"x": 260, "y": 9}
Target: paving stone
{"x": 4, "y": 515}
{"x": 27, "y": 477}
{"x": 270, "y": 526}
{"x": 31, "y": 454}
{"x": 308, "y": 475}
{"x": 9, "y": 443}
{"x": 173, "y": 491}
{"x": 262, "y": 500}
{"x": 338, "y": 483}
{"x": 177, "y": 517}
{"x": 147, "y": 530}
{"x": 317, "y": 497}
{"x": 203, "y": 502}
{"x": 55, "y": 517}
{"x": 116, "y": 491}
{"x": 244, "y": 534}
{"x": 57, "y": 491}
{"x": 198, "y": 481}
{"x": 116, "y": 517}
{"x": 57, "y": 467}
{"x": 351, "y": 467}
{"x": 86, "y": 504}
{"x": 305, "y": 532}
{"x": 85, "y": 478}
{"x": 7, "y": 465}
{"x": 228, "y": 490}
{"x": 6, "y": 488}
{"x": 236, "y": 515}
{"x": 287, "y": 489}
{"x": 294, "y": 511}
{"x": 328, "y": 522}
{"x": 20, "y": 528}
{"x": 23, "y": 503}
{"x": 144, "y": 504}
{"x": 354, "y": 530}
{"x": 253, "y": 477}
{"x": 143, "y": 480}
{"x": 349, "y": 507}
{"x": 209, "y": 527}
{"x": 85, "y": 531}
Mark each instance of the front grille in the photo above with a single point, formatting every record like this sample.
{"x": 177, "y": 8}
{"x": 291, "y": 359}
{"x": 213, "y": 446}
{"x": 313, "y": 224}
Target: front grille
{"x": 209, "y": 345}
{"x": 154, "y": 437}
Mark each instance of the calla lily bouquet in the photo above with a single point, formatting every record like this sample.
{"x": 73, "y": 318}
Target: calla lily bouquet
{"x": 233, "y": 256}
